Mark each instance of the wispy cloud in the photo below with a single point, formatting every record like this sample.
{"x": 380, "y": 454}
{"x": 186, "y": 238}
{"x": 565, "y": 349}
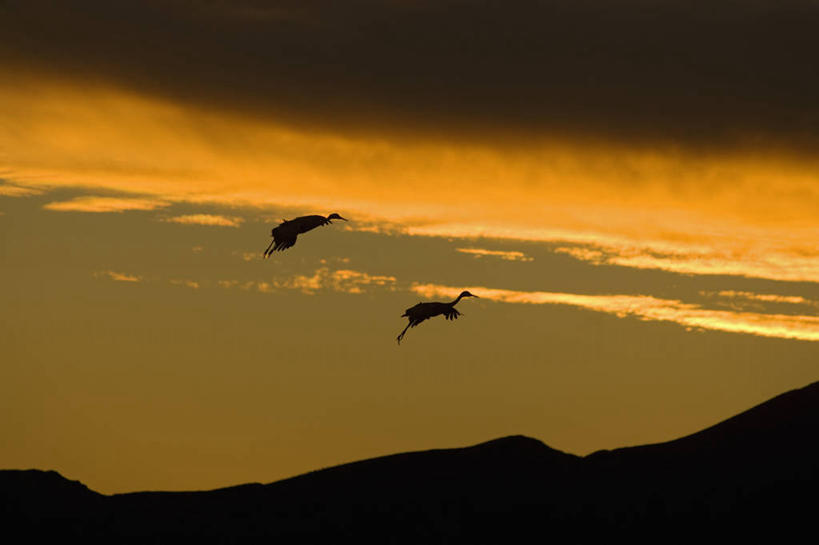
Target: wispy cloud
{"x": 775, "y": 263}
{"x": 7, "y": 190}
{"x": 648, "y": 308}
{"x": 118, "y": 276}
{"x": 105, "y": 204}
{"x": 193, "y": 284}
{"x": 246, "y": 285}
{"x": 766, "y": 297}
{"x": 740, "y": 299}
{"x": 207, "y": 219}
{"x": 340, "y": 280}
{"x": 508, "y": 256}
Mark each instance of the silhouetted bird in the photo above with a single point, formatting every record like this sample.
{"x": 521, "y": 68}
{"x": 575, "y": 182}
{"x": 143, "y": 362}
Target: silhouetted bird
{"x": 284, "y": 236}
{"x": 424, "y": 311}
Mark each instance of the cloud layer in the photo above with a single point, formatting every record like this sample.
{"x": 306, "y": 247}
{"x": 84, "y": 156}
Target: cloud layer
{"x": 729, "y": 71}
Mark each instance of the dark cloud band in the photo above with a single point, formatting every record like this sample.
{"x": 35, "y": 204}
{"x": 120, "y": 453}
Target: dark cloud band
{"x": 721, "y": 71}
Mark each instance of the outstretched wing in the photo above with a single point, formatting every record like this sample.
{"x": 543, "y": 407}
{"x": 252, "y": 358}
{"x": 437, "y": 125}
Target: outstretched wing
{"x": 414, "y": 312}
{"x": 284, "y": 236}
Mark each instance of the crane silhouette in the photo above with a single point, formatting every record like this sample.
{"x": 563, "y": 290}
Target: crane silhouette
{"x": 425, "y": 311}
{"x": 284, "y": 236}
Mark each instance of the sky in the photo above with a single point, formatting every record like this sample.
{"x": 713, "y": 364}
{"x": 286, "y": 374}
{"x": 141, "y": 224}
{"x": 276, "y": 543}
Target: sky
{"x": 631, "y": 187}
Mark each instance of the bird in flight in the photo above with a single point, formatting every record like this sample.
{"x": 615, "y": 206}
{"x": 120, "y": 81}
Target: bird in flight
{"x": 284, "y": 236}
{"x": 424, "y": 311}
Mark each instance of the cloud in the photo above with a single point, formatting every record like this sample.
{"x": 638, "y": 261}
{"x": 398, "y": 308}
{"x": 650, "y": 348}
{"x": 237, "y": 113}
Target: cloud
{"x": 206, "y": 219}
{"x": 747, "y": 298}
{"x": 7, "y": 190}
{"x": 508, "y": 256}
{"x": 340, "y": 280}
{"x": 748, "y": 213}
{"x": 105, "y": 204}
{"x": 648, "y": 308}
{"x": 193, "y": 284}
{"x": 118, "y": 277}
{"x": 759, "y": 259}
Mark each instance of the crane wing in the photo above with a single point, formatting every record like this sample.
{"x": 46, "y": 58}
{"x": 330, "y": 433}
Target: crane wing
{"x": 284, "y": 236}
{"x": 414, "y": 312}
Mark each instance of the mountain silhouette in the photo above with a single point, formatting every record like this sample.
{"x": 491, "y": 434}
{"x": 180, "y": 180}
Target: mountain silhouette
{"x": 751, "y": 477}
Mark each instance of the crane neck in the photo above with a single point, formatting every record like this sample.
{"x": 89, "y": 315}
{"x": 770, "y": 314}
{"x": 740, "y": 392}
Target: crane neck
{"x": 455, "y": 302}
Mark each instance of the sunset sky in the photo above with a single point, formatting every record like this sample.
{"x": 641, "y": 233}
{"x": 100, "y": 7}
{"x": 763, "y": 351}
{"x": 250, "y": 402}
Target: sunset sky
{"x": 630, "y": 186}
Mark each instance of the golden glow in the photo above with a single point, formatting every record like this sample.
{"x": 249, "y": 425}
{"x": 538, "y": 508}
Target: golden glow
{"x": 649, "y": 308}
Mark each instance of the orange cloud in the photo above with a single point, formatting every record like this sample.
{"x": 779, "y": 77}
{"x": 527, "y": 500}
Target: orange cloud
{"x": 508, "y": 256}
{"x": 649, "y": 308}
{"x": 193, "y": 284}
{"x": 342, "y": 280}
{"x": 763, "y": 259}
{"x": 119, "y": 277}
{"x": 765, "y": 297}
{"x": 104, "y": 204}
{"x": 206, "y": 219}
{"x": 7, "y": 190}
{"x": 641, "y": 207}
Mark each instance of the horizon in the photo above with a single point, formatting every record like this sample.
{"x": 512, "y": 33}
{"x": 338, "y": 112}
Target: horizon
{"x": 637, "y": 211}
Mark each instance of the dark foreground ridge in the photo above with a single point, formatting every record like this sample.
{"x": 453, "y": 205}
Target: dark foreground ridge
{"x": 754, "y": 476}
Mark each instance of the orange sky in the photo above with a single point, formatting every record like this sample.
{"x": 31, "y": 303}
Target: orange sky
{"x": 635, "y": 285}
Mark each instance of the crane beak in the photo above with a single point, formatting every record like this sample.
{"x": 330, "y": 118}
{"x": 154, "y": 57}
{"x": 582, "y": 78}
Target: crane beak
{"x": 342, "y": 218}
{"x": 476, "y": 296}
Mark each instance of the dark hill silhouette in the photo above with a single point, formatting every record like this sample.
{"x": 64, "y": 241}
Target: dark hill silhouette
{"x": 751, "y": 477}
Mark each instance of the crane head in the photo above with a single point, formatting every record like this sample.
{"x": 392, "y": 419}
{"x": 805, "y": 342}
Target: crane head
{"x": 335, "y": 216}
{"x": 467, "y": 294}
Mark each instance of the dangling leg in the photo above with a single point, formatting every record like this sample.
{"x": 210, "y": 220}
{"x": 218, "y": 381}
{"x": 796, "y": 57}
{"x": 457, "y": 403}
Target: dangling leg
{"x": 269, "y": 251}
{"x": 401, "y": 336}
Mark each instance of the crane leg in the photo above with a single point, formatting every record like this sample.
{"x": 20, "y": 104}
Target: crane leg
{"x": 268, "y": 251}
{"x": 401, "y": 336}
